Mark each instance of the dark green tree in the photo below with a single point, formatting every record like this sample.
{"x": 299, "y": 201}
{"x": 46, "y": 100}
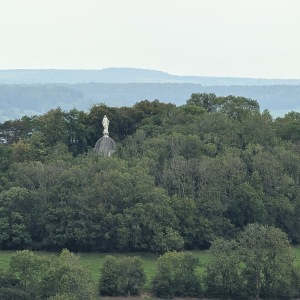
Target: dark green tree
{"x": 259, "y": 263}
{"x": 65, "y": 278}
{"x": 121, "y": 276}
{"x": 176, "y": 276}
{"x": 29, "y": 268}
{"x": 288, "y": 127}
{"x": 77, "y": 131}
{"x": 15, "y": 218}
{"x": 208, "y": 101}
{"x": 54, "y": 126}
{"x": 267, "y": 258}
{"x": 222, "y": 277}
{"x": 246, "y": 206}
{"x": 238, "y": 108}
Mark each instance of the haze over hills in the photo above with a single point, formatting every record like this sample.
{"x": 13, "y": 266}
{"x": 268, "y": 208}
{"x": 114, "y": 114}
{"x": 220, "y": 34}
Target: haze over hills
{"x": 33, "y": 92}
{"x": 125, "y": 75}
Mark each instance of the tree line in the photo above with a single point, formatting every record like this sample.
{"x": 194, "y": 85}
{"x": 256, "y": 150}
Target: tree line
{"x": 16, "y": 100}
{"x": 181, "y": 177}
{"x": 259, "y": 262}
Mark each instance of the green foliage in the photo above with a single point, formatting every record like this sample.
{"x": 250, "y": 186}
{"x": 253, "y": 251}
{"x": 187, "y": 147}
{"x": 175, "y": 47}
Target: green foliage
{"x": 208, "y": 101}
{"x": 288, "y": 127}
{"x": 236, "y": 108}
{"x": 14, "y": 218}
{"x": 266, "y": 254}
{"x": 14, "y": 294}
{"x": 28, "y": 268}
{"x": 222, "y": 278}
{"x": 225, "y": 275}
{"x": 53, "y": 125}
{"x": 246, "y": 206}
{"x": 42, "y": 277}
{"x": 180, "y": 177}
{"x": 258, "y": 263}
{"x": 8, "y": 280}
{"x": 66, "y": 278}
{"x": 109, "y": 276}
{"x": 176, "y": 276}
{"x": 62, "y": 297}
{"x": 121, "y": 276}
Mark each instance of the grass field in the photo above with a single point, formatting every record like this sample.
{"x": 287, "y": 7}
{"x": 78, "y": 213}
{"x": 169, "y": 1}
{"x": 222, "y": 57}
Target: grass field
{"x": 94, "y": 261}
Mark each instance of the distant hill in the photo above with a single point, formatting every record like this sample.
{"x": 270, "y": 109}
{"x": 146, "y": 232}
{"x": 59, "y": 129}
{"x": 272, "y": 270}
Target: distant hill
{"x": 31, "y": 92}
{"x": 126, "y": 75}
{"x": 17, "y": 100}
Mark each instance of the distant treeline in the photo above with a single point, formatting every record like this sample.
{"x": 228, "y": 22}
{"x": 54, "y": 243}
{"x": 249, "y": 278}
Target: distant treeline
{"x": 181, "y": 177}
{"x": 37, "y": 99}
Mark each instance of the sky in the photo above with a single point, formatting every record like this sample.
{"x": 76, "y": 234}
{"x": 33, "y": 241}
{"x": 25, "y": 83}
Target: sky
{"x": 237, "y": 38}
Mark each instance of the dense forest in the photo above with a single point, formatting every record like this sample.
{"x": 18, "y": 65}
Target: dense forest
{"x": 181, "y": 177}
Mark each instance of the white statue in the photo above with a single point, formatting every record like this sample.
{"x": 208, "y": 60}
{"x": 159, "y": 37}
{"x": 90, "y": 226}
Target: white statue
{"x": 105, "y": 123}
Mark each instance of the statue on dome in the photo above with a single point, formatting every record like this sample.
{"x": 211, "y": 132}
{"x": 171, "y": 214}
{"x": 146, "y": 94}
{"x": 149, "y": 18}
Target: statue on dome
{"x": 105, "y": 123}
{"x": 105, "y": 145}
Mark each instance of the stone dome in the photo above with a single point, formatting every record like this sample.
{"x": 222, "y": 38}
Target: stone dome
{"x": 105, "y": 146}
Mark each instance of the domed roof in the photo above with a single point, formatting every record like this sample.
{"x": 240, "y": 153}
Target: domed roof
{"x": 105, "y": 145}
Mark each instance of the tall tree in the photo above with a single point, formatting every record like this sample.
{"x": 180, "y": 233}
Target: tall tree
{"x": 268, "y": 260}
{"x": 53, "y": 125}
{"x": 258, "y": 263}
{"x": 176, "y": 276}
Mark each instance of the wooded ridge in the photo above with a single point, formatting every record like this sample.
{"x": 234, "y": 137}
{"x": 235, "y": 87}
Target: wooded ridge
{"x": 19, "y": 100}
{"x": 34, "y": 92}
{"x": 181, "y": 176}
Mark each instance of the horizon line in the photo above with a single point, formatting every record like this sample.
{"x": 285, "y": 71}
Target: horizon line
{"x": 144, "y": 69}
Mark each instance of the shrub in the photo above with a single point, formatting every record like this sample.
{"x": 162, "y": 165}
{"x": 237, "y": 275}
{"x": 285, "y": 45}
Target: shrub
{"x": 222, "y": 278}
{"x": 176, "y": 276}
{"x": 121, "y": 276}
{"x": 258, "y": 263}
{"x": 67, "y": 279}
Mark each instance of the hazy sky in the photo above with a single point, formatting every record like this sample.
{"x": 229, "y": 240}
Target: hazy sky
{"x": 246, "y": 38}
